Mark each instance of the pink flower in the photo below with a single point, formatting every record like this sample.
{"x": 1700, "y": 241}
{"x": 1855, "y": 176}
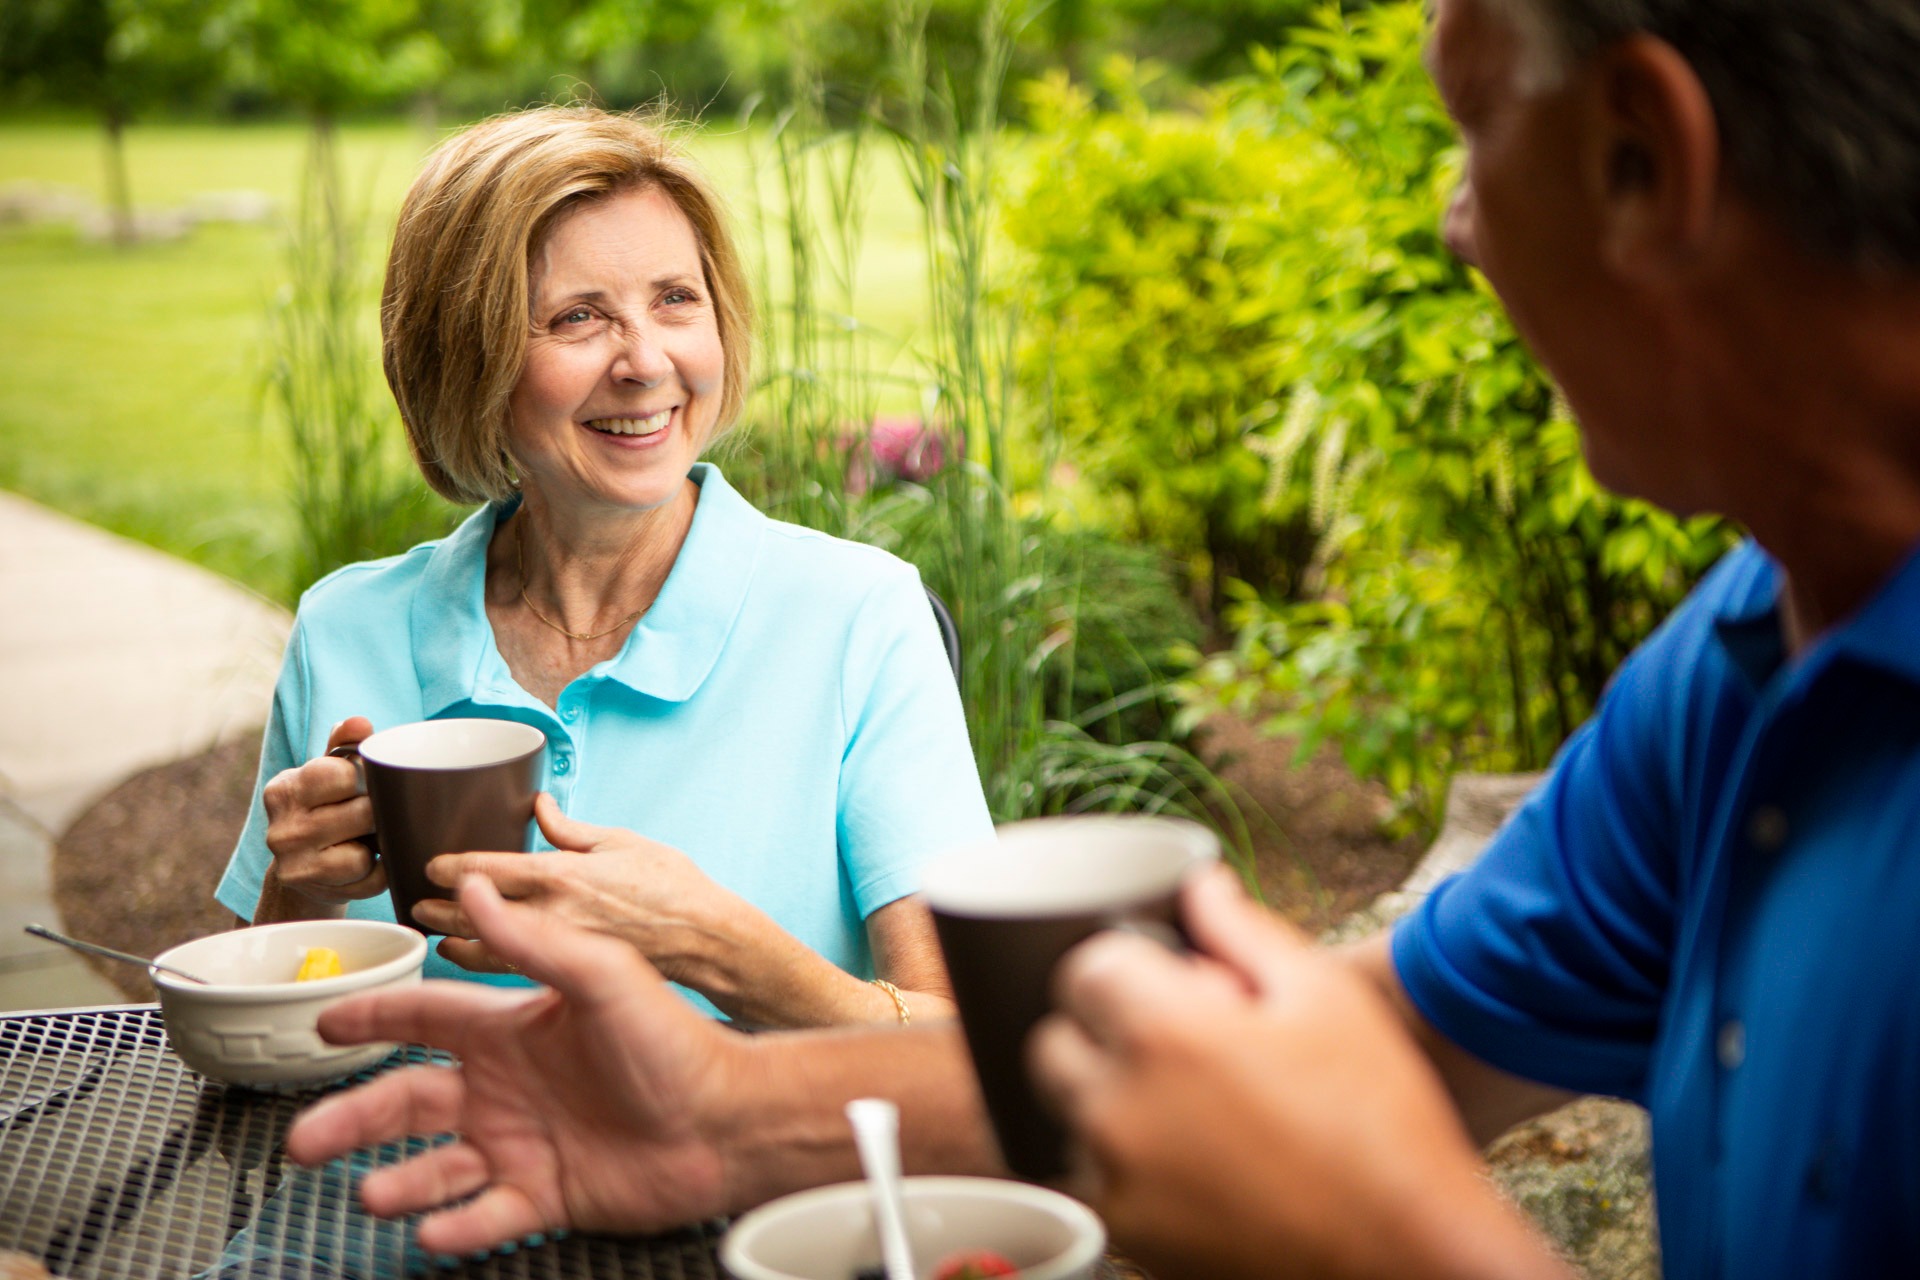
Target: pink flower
{"x": 897, "y": 447}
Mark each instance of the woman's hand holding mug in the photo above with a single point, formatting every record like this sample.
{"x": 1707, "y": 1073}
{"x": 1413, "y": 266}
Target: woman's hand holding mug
{"x": 318, "y": 824}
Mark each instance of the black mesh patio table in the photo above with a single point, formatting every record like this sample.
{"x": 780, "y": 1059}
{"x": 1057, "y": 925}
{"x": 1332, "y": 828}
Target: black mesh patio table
{"x": 117, "y": 1160}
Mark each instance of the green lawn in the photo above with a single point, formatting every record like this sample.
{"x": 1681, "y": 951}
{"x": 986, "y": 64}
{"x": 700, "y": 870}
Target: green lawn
{"x": 129, "y": 380}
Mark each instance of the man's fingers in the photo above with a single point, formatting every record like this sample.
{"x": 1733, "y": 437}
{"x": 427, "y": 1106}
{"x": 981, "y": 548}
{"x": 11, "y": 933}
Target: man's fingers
{"x": 1065, "y": 1063}
{"x": 494, "y": 1217}
{"x": 1071, "y": 1073}
{"x": 441, "y": 1014}
{"x": 1229, "y": 926}
{"x": 398, "y": 1104}
{"x": 589, "y": 967}
{"x": 447, "y": 1173}
{"x": 1115, "y": 981}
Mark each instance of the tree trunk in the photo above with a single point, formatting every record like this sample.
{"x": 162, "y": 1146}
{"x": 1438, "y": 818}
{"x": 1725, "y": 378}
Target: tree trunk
{"x": 119, "y": 192}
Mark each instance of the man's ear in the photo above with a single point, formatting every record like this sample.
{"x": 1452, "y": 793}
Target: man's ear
{"x": 1654, "y": 159}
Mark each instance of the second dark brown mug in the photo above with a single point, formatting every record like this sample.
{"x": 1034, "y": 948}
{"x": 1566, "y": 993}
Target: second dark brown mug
{"x": 1007, "y": 911}
{"x": 446, "y": 786}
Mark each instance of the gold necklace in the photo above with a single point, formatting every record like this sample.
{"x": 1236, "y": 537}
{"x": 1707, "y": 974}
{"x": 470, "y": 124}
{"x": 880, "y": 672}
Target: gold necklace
{"x": 520, "y": 565}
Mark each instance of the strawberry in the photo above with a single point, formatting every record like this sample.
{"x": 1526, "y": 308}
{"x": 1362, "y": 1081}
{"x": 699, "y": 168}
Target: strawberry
{"x": 974, "y": 1264}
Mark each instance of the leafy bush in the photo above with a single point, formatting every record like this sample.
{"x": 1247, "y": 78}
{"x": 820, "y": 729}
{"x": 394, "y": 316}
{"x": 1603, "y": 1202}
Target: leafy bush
{"x": 1473, "y": 588}
{"x": 1162, "y": 282}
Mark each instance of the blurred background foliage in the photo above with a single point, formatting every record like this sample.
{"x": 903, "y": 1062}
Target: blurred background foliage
{"x": 1129, "y": 323}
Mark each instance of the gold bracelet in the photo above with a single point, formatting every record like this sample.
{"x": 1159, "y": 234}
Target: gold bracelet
{"x": 899, "y": 1001}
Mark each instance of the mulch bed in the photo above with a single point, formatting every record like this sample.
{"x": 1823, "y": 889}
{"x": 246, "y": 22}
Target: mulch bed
{"x": 1319, "y": 852}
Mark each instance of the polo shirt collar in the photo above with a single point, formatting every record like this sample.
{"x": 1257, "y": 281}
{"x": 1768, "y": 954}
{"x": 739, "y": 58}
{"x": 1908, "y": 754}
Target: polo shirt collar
{"x": 670, "y": 651}
{"x": 676, "y": 644}
{"x": 1885, "y": 632}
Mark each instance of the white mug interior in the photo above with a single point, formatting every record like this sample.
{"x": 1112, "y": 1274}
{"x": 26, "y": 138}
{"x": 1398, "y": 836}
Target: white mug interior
{"x": 1068, "y": 866}
{"x": 451, "y": 744}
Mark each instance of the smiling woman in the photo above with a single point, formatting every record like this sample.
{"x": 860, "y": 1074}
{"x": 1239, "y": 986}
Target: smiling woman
{"x": 566, "y": 330}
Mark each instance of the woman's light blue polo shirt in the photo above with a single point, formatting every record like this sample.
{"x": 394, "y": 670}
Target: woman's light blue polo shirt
{"x": 784, "y": 714}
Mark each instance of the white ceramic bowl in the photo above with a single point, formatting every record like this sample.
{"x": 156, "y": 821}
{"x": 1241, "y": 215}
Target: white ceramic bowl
{"x": 827, "y": 1233}
{"x": 252, "y": 1024}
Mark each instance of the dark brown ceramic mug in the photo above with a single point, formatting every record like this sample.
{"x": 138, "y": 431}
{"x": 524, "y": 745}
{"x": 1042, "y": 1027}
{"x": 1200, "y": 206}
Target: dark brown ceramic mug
{"x": 446, "y": 786}
{"x": 1008, "y": 910}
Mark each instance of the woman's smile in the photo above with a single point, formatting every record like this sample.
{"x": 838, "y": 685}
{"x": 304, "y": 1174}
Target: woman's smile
{"x": 645, "y": 427}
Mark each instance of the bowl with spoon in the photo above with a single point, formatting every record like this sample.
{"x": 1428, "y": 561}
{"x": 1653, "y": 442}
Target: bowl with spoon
{"x": 238, "y": 1009}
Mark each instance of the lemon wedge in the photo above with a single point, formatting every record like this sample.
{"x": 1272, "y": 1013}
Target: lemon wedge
{"x": 320, "y": 962}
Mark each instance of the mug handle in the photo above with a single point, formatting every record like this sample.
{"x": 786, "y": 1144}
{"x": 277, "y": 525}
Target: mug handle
{"x": 351, "y": 753}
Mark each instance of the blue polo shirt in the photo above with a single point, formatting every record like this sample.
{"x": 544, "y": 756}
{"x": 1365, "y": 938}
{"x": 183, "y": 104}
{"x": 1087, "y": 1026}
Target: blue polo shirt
{"x": 784, "y": 713}
{"x": 1712, "y": 907}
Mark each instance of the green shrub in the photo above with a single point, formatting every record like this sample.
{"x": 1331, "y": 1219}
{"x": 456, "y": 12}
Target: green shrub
{"x": 1474, "y": 588}
{"x": 1162, "y": 282}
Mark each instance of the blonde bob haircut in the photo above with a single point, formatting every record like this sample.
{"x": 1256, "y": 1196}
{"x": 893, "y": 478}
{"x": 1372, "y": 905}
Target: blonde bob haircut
{"x": 454, "y": 317}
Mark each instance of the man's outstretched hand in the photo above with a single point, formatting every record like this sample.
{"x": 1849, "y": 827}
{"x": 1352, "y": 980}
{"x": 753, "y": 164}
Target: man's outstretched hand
{"x": 576, "y": 1106}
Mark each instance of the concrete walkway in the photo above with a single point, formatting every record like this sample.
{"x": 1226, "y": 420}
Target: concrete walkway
{"x": 113, "y": 657}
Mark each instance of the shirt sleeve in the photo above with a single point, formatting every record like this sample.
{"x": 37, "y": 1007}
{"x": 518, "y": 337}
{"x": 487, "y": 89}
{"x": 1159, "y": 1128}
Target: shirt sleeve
{"x": 281, "y": 747}
{"x": 1549, "y": 957}
{"x": 909, "y": 786}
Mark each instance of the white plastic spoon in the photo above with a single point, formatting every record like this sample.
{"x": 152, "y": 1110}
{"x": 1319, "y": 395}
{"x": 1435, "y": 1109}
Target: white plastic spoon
{"x": 876, "y": 1134}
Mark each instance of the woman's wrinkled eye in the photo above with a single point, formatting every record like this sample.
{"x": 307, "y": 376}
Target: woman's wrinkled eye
{"x": 579, "y": 315}
{"x": 679, "y": 295}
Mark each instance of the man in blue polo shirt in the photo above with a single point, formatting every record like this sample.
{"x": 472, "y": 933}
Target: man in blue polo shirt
{"x": 1704, "y": 216}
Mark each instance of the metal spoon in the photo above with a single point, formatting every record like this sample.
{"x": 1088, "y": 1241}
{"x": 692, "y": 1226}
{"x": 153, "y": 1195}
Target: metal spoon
{"x": 876, "y": 1134}
{"x": 94, "y": 948}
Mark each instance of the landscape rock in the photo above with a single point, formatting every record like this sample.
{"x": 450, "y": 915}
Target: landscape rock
{"x": 136, "y": 870}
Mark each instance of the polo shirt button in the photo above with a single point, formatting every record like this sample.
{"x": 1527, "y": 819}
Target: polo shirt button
{"x": 1767, "y": 828}
{"x": 563, "y": 765}
{"x": 1825, "y": 1179}
{"x": 1731, "y": 1044}
{"x": 570, "y": 714}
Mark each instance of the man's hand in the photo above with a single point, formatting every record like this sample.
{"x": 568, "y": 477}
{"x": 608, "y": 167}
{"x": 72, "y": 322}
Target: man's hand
{"x": 1260, "y": 1111}
{"x": 576, "y": 1107}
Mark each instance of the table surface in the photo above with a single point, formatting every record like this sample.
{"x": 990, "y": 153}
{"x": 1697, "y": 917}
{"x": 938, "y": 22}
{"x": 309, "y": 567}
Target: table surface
{"x": 117, "y": 1160}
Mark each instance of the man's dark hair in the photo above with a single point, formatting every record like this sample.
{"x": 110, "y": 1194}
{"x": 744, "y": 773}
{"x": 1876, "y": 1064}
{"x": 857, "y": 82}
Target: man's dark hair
{"x": 1818, "y": 103}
